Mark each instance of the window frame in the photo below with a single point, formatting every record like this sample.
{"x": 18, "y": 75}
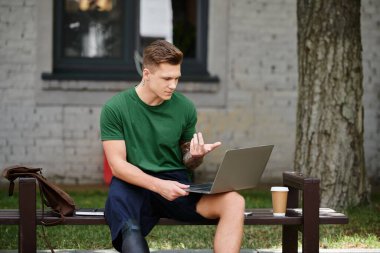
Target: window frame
{"x": 193, "y": 69}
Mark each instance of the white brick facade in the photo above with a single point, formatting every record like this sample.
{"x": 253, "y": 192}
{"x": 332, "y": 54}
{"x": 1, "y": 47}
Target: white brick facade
{"x": 253, "y": 50}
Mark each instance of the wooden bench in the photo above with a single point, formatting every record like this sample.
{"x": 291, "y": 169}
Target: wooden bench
{"x": 305, "y": 219}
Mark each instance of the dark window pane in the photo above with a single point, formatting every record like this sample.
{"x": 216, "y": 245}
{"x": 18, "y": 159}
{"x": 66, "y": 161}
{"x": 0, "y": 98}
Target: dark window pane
{"x": 172, "y": 20}
{"x": 92, "y": 29}
{"x": 185, "y": 26}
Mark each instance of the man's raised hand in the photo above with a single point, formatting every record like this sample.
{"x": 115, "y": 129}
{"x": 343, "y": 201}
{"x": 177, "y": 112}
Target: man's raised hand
{"x": 198, "y": 148}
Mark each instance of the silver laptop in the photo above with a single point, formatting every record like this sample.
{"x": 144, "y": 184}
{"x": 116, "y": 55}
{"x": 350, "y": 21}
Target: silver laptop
{"x": 240, "y": 169}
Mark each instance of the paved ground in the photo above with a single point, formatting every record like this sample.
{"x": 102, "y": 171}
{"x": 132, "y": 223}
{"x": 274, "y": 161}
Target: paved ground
{"x": 202, "y": 251}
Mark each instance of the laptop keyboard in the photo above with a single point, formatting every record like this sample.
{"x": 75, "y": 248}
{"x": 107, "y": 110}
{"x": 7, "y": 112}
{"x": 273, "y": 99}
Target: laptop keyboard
{"x": 201, "y": 186}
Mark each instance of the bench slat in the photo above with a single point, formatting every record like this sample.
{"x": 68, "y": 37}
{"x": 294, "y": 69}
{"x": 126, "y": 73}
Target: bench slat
{"x": 260, "y": 216}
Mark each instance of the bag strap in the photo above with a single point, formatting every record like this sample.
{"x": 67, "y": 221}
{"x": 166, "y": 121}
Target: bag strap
{"x": 44, "y": 235}
{"x": 43, "y": 222}
{"x": 46, "y": 239}
{"x": 11, "y": 187}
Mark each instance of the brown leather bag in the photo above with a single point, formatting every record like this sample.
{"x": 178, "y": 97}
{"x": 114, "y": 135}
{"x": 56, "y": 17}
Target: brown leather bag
{"x": 51, "y": 195}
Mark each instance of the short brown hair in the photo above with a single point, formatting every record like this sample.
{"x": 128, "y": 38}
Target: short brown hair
{"x": 161, "y": 51}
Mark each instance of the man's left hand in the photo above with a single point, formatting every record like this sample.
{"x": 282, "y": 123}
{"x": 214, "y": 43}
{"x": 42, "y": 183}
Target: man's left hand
{"x": 198, "y": 148}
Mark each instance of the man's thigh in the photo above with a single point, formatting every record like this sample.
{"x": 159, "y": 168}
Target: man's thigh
{"x": 182, "y": 208}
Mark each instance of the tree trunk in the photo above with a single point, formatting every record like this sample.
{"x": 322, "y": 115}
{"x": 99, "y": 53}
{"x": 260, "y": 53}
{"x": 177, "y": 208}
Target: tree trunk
{"x": 329, "y": 139}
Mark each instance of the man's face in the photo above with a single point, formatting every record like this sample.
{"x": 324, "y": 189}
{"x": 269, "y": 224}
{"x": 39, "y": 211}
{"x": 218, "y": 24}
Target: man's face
{"x": 163, "y": 80}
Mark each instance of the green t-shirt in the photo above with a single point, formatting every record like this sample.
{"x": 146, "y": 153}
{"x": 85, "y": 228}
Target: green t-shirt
{"x": 152, "y": 134}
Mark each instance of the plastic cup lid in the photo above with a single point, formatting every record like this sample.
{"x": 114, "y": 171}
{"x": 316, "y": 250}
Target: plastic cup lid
{"x": 279, "y": 189}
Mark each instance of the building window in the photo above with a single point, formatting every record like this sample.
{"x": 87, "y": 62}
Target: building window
{"x": 91, "y": 30}
{"x": 103, "y": 39}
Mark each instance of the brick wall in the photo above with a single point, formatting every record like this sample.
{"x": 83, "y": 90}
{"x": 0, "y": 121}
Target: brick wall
{"x": 259, "y": 77}
{"x": 17, "y": 69}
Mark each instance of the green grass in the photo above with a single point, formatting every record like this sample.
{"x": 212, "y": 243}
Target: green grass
{"x": 363, "y": 231}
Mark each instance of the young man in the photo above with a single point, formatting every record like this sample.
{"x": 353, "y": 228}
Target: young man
{"x": 149, "y": 139}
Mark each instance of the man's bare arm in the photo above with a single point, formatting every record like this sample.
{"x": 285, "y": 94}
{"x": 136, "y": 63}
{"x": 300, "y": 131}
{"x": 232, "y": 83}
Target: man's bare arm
{"x": 116, "y": 154}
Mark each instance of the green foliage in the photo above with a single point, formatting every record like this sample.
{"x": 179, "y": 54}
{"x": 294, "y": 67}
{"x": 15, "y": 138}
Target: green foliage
{"x": 363, "y": 231}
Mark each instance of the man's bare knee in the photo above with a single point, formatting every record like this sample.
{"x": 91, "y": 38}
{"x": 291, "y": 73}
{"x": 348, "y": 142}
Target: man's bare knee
{"x": 233, "y": 200}
{"x": 214, "y": 206}
{"x": 236, "y": 198}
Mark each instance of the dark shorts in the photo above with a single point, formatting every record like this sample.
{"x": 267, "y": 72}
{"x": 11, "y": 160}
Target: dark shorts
{"x": 126, "y": 203}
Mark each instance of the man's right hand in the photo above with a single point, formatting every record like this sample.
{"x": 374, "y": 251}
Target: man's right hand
{"x": 171, "y": 190}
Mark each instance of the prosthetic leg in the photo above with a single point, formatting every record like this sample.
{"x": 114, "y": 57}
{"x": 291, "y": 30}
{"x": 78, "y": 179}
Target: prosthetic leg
{"x": 133, "y": 241}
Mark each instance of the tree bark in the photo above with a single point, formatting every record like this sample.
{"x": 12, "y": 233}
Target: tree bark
{"x": 329, "y": 138}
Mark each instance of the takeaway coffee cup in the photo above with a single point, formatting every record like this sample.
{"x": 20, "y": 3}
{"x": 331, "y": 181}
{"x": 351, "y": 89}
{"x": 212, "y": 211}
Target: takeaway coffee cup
{"x": 279, "y": 199}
